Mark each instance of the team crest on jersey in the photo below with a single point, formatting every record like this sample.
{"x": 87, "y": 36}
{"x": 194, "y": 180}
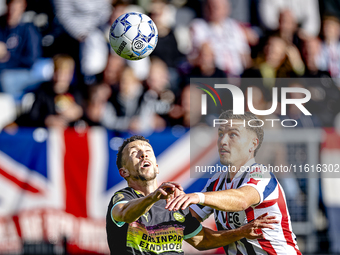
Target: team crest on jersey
{"x": 179, "y": 217}
{"x": 117, "y": 197}
{"x": 256, "y": 172}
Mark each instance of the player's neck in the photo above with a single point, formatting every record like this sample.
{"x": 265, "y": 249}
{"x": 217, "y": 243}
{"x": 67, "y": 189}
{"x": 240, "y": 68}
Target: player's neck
{"x": 231, "y": 175}
{"x": 233, "y": 169}
{"x": 236, "y": 167}
{"x": 144, "y": 187}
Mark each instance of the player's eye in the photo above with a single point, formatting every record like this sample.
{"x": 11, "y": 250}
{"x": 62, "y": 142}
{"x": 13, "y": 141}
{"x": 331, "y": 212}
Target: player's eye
{"x": 220, "y": 134}
{"x": 232, "y": 135}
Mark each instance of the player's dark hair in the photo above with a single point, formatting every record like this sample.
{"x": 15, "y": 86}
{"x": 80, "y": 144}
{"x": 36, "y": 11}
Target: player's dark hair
{"x": 257, "y": 129}
{"x": 119, "y": 161}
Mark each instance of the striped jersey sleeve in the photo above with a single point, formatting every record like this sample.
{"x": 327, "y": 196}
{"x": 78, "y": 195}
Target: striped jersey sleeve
{"x": 264, "y": 182}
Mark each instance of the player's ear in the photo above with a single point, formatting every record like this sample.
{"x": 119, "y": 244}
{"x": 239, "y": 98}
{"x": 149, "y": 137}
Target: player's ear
{"x": 254, "y": 143}
{"x": 124, "y": 172}
{"x": 157, "y": 170}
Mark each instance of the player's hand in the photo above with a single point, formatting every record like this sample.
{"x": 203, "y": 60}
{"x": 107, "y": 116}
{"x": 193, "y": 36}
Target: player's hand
{"x": 56, "y": 121}
{"x": 73, "y": 112}
{"x": 294, "y": 55}
{"x": 175, "y": 194}
{"x": 182, "y": 202}
{"x": 166, "y": 190}
{"x": 252, "y": 230}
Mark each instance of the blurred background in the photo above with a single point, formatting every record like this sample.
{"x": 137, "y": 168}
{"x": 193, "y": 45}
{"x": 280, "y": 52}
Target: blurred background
{"x": 67, "y": 101}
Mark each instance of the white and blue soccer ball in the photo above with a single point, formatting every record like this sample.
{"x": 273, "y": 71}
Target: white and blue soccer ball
{"x": 133, "y": 36}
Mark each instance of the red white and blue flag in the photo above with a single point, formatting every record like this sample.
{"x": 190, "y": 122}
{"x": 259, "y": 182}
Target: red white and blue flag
{"x": 56, "y": 185}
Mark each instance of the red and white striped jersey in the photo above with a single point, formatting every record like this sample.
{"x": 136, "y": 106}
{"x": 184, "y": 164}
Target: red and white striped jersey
{"x": 281, "y": 240}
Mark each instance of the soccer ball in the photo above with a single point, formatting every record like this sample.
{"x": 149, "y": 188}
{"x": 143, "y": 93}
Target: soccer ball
{"x": 133, "y": 36}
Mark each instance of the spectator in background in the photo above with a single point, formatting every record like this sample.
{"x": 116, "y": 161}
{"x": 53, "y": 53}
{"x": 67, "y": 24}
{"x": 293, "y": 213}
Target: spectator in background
{"x": 96, "y": 108}
{"x": 19, "y": 49}
{"x": 82, "y": 21}
{"x": 114, "y": 68}
{"x": 167, "y": 48}
{"x": 240, "y": 10}
{"x": 180, "y": 113}
{"x": 204, "y": 65}
{"x": 126, "y": 99}
{"x": 329, "y": 56}
{"x": 277, "y": 61}
{"x": 311, "y": 54}
{"x": 158, "y": 95}
{"x": 325, "y": 95}
{"x": 306, "y": 13}
{"x": 56, "y": 103}
{"x": 128, "y": 109}
{"x": 225, "y": 36}
{"x": 288, "y": 27}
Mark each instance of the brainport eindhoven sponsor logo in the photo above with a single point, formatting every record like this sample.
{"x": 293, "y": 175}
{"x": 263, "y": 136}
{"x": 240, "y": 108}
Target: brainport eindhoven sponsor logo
{"x": 239, "y": 103}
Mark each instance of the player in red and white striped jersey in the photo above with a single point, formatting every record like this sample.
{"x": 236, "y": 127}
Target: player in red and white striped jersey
{"x": 244, "y": 192}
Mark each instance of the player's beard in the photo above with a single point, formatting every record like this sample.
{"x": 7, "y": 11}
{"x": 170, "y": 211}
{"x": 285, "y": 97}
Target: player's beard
{"x": 148, "y": 178}
{"x": 145, "y": 177}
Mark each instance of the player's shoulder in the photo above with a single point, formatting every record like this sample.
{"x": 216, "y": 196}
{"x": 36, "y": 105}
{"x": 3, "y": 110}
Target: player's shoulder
{"x": 124, "y": 190}
{"x": 123, "y": 194}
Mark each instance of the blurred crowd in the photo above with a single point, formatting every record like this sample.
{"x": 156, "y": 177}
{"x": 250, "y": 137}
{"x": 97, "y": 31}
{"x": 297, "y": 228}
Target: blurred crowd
{"x": 57, "y": 68}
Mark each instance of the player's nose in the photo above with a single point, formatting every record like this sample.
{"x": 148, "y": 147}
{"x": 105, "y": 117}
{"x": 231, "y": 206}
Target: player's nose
{"x": 143, "y": 154}
{"x": 224, "y": 140}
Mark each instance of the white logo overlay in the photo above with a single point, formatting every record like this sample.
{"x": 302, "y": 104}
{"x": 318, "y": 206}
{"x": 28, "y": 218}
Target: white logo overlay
{"x": 238, "y": 104}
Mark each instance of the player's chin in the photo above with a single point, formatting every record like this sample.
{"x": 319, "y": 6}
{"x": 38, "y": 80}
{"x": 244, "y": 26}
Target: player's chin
{"x": 148, "y": 176}
{"x": 225, "y": 161}
{"x": 225, "y": 155}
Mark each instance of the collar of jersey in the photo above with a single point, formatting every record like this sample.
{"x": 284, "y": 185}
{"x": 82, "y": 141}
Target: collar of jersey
{"x": 248, "y": 164}
{"x": 137, "y": 192}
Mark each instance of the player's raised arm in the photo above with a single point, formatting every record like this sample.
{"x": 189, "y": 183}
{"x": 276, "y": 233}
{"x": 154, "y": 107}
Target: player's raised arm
{"x": 130, "y": 211}
{"x": 233, "y": 200}
{"x": 210, "y": 239}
